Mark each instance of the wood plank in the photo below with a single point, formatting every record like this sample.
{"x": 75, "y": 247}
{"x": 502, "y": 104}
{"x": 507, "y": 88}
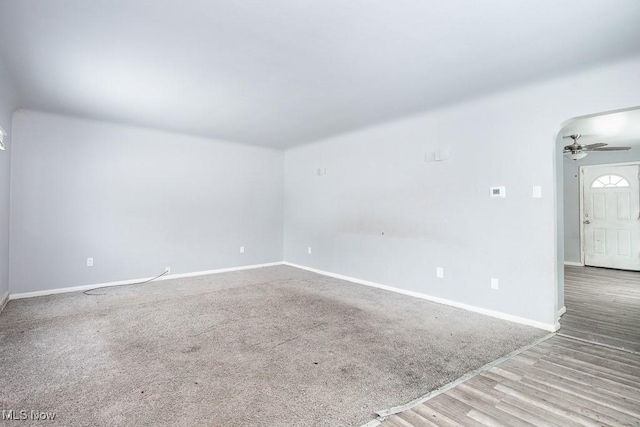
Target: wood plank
{"x": 392, "y": 422}
{"x": 624, "y": 377}
{"x": 484, "y": 412}
{"x": 591, "y": 408}
{"x": 607, "y": 362}
{"x": 559, "y": 406}
{"x": 453, "y": 409}
{"x": 414, "y": 419}
{"x": 477, "y": 394}
{"x": 485, "y": 419}
{"x": 603, "y": 352}
{"x": 589, "y": 379}
{"x": 544, "y": 416}
{"x": 396, "y": 421}
{"x": 533, "y": 416}
{"x": 438, "y": 418}
{"x": 586, "y": 393}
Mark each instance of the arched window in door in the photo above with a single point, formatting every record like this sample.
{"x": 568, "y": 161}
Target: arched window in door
{"x": 609, "y": 181}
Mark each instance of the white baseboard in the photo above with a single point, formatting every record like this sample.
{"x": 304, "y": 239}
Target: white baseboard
{"x": 128, "y": 282}
{"x": 497, "y": 314}
{"x": 562, "y": 311}
{"x": 4, "y": 299}
{"x": 220, "y": 270}
{"x": 492, "y": 313}
{"x": 573, "y": 263}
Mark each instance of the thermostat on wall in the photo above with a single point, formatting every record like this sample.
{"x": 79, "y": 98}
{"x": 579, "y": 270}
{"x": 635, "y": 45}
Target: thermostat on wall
{"x": 498, "y": 192}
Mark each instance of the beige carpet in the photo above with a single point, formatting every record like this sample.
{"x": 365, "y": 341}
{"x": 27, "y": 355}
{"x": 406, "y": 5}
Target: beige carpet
{"x": 274, "y": 346}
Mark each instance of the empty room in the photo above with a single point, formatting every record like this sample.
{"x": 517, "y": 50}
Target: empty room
{"x": 319, "y": 213}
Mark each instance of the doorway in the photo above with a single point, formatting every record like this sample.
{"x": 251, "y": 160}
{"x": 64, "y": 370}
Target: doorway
{"x": 610, "y": 215}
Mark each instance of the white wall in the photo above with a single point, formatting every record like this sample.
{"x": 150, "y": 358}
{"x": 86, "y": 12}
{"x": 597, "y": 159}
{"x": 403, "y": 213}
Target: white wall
{"x": 136, "y": 200}
{"x": 572, "y": 194}
{"x": 439, "y": 213}
{"x": 7, "y": 105}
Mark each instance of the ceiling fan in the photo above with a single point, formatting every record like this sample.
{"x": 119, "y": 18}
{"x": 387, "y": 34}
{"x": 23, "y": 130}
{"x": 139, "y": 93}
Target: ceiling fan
{"x": 578, "y": 151}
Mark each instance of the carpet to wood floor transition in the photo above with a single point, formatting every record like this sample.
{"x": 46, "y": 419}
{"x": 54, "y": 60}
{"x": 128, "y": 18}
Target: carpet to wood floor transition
{"x": 563, "y": 381}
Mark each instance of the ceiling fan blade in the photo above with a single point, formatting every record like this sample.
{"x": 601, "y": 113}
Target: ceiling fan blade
{"x": 580, "y": 135}
{"x": 596, "y": 145}
{"x": 610, "y": 149}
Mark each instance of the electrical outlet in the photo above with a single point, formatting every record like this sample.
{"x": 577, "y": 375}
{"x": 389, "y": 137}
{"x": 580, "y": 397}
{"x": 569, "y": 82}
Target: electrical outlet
{"x": 309, "y": 250}
{"x": 440, "y": 273}
{"x": 437, "y": 156}
{"x": 241, "y": 249}
{"x": 494, "y": 283}
{"x": 89, "y": 262}
{"x": 168, "y": 270}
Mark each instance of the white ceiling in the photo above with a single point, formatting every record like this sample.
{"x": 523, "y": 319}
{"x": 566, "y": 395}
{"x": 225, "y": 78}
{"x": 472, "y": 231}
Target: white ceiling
{"x": 286, "y": 72}
{"x": 616, "y": 129}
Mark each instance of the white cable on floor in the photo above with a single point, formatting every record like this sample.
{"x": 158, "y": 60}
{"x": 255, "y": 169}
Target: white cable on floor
{"x": 128, "y": 284}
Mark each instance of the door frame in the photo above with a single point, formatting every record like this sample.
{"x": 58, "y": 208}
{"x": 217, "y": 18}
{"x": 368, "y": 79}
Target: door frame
{"x": 581, "y": 187}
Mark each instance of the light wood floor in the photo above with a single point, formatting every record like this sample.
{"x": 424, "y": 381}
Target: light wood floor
{"x": 561, "y": 381}
{"x": 603, "y": 305}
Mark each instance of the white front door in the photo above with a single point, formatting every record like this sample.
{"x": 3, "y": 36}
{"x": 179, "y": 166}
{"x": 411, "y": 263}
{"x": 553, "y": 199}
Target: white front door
{"x": 611, "y": 216}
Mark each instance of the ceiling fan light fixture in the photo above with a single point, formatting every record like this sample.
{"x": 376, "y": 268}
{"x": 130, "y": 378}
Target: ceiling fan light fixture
{"x": 575, "y": 156}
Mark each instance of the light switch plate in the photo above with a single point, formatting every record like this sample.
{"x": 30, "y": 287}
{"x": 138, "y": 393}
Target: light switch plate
{"x": 440, "y": 273}
{"x": 439, "y": 155}
{"x": 494, "y": 283}
{"x": 537, "y": 192}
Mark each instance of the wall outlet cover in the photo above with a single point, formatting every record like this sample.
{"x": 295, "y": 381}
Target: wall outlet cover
{"x": 438, "y": 155}
{"x": 537, "y": 192}
{"x": 494, "y": 283}
{"x": 440, "y": 273}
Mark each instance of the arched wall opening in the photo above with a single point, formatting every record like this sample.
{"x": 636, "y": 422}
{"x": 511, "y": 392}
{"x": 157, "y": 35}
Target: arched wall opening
{"x": 615, "y": 128}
